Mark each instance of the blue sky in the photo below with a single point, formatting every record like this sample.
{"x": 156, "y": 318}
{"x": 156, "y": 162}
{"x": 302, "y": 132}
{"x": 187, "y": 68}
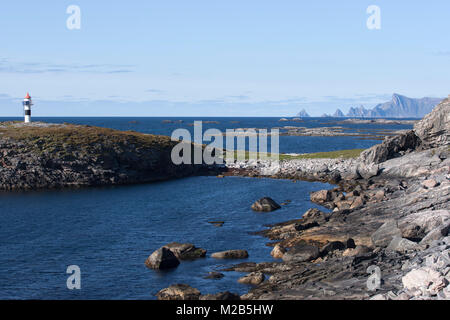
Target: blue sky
{"x": 219, "y": 58}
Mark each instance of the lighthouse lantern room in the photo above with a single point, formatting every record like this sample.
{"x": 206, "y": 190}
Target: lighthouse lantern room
{"x": 27, "y": 103}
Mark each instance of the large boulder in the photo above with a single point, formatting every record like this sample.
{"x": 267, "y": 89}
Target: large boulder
{"x": 419, "y": 225}
{"x": 367, "y": 171}
{"x": 434, "y": 128}
{"x": 162, "y": 258}
{"x": 402, "y": 245}
{"x": 278, "y": 251}
{"x": 230, "y": 254}
{"x": 332, "y": 246}
{"x": 437, "y": 233}
{"x": 321, "y": 196}
{"x": 178, "y": 292}
{"x": 391, "y": 147}
{"x": 384, "y": 235}
{"x": 185, "y": 251}
{"x": 265, "y": 204}
{"x": 301, "y": 253}
{"x": 253, "y": 278}
{"x": 315, "y": 215}
{"x": 424, "y": 279}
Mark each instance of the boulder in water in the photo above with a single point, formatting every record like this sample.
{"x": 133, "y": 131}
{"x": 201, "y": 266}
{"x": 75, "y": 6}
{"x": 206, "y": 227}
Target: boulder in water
{"x": 265, "y": 204}
{"x": 162, "y": 258}
{"x": 185, "y": 251}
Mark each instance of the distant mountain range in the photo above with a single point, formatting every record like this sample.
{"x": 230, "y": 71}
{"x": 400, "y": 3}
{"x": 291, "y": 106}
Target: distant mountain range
{"x": 399, "y": 107}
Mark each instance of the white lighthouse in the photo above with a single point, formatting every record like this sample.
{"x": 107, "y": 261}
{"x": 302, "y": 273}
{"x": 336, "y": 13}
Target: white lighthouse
{"x": 27, "y": 103}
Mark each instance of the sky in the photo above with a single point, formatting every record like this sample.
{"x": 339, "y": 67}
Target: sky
{"x": 219, "y": 58}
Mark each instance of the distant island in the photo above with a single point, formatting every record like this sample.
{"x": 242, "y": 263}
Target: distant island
{"x": 399, "y": 107}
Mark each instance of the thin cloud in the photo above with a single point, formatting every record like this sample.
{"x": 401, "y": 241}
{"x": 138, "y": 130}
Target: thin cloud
{"x": 120, "y": 71}
{"x": 156, "y": 91}
{"x": 239, "y": 97}
{"x": 8, "y": 66}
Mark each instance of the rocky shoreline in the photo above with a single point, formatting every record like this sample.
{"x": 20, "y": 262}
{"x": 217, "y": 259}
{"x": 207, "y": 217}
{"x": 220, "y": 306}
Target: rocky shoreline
{"x": 393, "y": 203}
{"x": 399, "y": 224}
{"x": 384, "y": 237}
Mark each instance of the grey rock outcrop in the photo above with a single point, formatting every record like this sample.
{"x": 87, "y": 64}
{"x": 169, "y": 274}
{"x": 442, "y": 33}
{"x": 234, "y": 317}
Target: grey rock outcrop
{"x": 431, "y": 132}
{"x": 400, "y": 244}
{"x": 434, "y": 129}
{"x": 390, "y": 148}
{"x": 384, "y": 235}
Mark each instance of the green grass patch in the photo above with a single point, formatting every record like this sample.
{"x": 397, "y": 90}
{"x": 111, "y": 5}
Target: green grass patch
{"x": 344, "y": 154}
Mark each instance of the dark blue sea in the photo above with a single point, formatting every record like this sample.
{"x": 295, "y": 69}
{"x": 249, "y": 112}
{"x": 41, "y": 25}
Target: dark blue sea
{"x": 109, "y": 232}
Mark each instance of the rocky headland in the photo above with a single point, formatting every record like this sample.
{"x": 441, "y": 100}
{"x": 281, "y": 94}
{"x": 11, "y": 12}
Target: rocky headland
{"x": 41, "y": 155}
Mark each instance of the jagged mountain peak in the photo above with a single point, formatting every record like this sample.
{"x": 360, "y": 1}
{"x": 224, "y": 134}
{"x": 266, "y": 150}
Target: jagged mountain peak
{"x": 400, "y": 106}
{"x": 338, "y": 113}
{"x": 303, "y": 114}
